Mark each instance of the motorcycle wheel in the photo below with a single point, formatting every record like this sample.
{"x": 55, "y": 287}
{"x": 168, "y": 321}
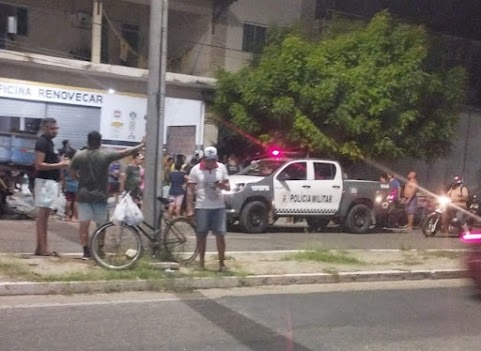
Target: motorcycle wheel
{"x": 431, "y": 224}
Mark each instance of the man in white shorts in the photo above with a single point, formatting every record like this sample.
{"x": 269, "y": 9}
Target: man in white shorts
{"x": 47, "y": 177}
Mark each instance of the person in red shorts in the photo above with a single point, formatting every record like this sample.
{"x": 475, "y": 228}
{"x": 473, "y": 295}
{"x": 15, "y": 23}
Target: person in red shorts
{"x": 70, "y": 188}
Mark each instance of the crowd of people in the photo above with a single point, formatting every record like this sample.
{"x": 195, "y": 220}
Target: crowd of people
{"x": 90, "y": 176}
{"x": 407, "y": 198}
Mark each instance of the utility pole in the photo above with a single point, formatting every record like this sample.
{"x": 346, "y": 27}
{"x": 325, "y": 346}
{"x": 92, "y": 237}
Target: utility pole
{"x": 155, "y": 108}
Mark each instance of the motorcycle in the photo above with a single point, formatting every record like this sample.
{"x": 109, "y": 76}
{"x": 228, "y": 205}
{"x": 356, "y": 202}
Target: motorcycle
{"x": 434, "y": 221}
{"x": 395, "y": 214}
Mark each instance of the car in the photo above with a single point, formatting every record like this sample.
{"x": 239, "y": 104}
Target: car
{"x": 306, "y": 188}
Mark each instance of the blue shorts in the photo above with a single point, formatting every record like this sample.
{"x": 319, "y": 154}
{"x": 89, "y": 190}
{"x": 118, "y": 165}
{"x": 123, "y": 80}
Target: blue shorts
{"x": 210, "y": 219}
{"x": 97, "y": 212}
{"x": 412, "y": 206}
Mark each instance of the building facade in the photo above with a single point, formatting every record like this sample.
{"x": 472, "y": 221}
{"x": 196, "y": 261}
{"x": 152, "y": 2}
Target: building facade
{"x": 85, "y": 62}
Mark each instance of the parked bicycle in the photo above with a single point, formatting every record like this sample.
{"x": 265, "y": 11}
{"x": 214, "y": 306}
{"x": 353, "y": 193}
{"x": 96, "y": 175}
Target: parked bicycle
{"x": 119, "y": 247}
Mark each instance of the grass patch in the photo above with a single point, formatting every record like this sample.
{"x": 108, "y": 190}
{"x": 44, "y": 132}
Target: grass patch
{"x": 18, "y": 269}
{"x": 142, "y": 271}
{"x": 318, "y": 254}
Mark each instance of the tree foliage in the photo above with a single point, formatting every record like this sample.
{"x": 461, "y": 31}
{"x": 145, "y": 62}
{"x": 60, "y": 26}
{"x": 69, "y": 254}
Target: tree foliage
{"x": 366, "y": 93}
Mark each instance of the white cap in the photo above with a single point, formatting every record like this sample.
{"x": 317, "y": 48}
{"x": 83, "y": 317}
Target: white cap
{"x": 210, "y": 153}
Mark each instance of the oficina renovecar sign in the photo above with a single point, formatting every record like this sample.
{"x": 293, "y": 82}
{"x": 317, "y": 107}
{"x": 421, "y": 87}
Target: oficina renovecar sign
{"x": 122, "y": 116}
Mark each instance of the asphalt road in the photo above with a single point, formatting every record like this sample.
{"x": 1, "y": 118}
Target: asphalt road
{"x": 19, "y": 237}
{"x": 439, "y": 315}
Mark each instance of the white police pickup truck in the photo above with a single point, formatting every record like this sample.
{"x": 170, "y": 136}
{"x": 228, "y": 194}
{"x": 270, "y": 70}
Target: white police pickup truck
{"x": 310, "y": 189}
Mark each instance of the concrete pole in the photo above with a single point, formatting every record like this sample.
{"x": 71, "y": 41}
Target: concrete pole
{"x": 96, "y": 31}
{"x": 155, "y": 111}
{"x": 163, "y": 73}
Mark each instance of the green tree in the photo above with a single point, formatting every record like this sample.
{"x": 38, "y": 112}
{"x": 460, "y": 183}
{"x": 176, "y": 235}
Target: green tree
{"x": 366, "y": 93}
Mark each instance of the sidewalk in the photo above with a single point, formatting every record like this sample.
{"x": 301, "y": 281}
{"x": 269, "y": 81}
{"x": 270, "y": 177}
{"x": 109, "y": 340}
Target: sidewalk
{"x": 22, "y": 274}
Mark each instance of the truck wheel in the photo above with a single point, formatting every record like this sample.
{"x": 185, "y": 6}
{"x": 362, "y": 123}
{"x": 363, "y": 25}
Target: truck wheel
{"x": 254, "y": 217}
{"x": 316, "y": 224}
{"x": 359, "y": 219}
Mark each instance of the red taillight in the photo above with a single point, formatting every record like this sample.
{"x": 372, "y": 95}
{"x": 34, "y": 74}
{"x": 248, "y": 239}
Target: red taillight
{"x": 471, "y": 238}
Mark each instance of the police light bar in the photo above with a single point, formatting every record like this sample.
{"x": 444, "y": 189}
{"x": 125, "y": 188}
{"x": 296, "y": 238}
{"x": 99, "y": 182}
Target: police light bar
{"x": 275, "y": 152}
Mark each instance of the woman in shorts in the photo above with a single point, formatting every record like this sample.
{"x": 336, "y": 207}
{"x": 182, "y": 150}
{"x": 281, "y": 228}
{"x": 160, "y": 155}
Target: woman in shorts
{"x": 177, "y": 189}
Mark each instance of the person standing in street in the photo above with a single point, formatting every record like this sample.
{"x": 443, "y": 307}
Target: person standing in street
{"x": 177, "y": 190}
{"x": 459, "y": 195}
{"x": 410, "y": 199}
{"x": 395, "y": 187}
{"x": 114, "y": 180}
{"x": 131, "y": 179}
{"x": 232, "y": 165}
{"x": 65, "y": 147}
{"x": 207, "y": 180}
{"x": 47, "y": 166}
{"x": 70, "y": 188}
{"x": 91, "y": 167}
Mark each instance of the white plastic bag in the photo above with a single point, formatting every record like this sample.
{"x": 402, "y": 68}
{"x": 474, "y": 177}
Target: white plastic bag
{"x": 127, "y": 211}
{"x": 118, "y": 215}
{"x": 133, "y": 214}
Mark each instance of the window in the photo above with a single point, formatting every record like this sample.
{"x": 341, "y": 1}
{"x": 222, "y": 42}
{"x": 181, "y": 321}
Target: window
{"x": 22, "y": 21}
{"x": 325, "y": 171}
{"x": 254, "y": 38}
{"x": 295, "y": 171}
{"x": 21, "y": 15}
{"x": 130, "y": 33}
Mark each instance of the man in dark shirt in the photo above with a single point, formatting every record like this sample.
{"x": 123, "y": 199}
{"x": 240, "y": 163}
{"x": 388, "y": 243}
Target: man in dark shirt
{"x": 47, "y": 166}
{"x": 91, "y": 168}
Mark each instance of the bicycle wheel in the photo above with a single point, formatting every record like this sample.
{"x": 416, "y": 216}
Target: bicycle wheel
{"x": 116, "y": 246}
{"x": 179, "y": 240}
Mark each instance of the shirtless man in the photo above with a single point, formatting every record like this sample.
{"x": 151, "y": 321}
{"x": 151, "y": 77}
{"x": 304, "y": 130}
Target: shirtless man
{"x": 410, "y": 199}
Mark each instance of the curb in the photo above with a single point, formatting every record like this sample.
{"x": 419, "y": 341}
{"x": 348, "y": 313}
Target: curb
{"x": 88, "y": 287}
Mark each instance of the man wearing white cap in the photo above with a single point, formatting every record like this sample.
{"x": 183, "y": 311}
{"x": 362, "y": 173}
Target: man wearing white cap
{"x": 207, "y": 179}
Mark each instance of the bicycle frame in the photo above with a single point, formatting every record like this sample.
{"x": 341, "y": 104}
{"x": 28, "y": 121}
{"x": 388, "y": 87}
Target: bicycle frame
{"x": 166, "y": 236}
{"x": 153, "y": 232}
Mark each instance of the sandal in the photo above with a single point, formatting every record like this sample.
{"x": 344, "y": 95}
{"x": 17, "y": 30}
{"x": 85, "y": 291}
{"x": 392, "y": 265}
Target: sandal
{"x": 48, "y": 254}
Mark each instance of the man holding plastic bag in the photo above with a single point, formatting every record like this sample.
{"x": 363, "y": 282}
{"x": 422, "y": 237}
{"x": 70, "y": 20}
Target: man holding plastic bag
{"x": 91, "y": 168}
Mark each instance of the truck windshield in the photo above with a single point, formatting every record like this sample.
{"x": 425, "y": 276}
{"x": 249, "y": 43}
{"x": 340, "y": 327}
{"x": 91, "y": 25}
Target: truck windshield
{"x": 263, "y": 167}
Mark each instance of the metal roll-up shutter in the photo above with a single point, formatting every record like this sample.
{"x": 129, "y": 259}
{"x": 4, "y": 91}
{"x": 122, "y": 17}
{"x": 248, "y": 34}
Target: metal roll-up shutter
{"x": 21, "y": 108}
{"x": 75, "y": 123}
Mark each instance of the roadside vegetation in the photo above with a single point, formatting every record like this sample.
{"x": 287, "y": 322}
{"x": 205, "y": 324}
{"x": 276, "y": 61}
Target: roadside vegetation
{"x": 19, "y": 269}
{"x": 379, "y": 90}
{"x": 318, "y": 254}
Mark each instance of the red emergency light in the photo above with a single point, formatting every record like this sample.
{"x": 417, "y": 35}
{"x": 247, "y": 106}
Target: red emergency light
{"x": 275, "y": 152}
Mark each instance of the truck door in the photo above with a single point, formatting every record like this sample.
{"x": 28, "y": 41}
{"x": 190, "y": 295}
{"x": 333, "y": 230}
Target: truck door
{"x": 291, "y": 188}
{"x": 326, "y": 187}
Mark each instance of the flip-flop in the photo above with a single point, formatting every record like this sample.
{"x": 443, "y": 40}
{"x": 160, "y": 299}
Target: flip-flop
{"x": 48, "y": 254}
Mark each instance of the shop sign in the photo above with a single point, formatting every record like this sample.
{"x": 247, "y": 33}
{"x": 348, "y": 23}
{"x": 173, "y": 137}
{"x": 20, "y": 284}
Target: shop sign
{"x": 50, "y": 94}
